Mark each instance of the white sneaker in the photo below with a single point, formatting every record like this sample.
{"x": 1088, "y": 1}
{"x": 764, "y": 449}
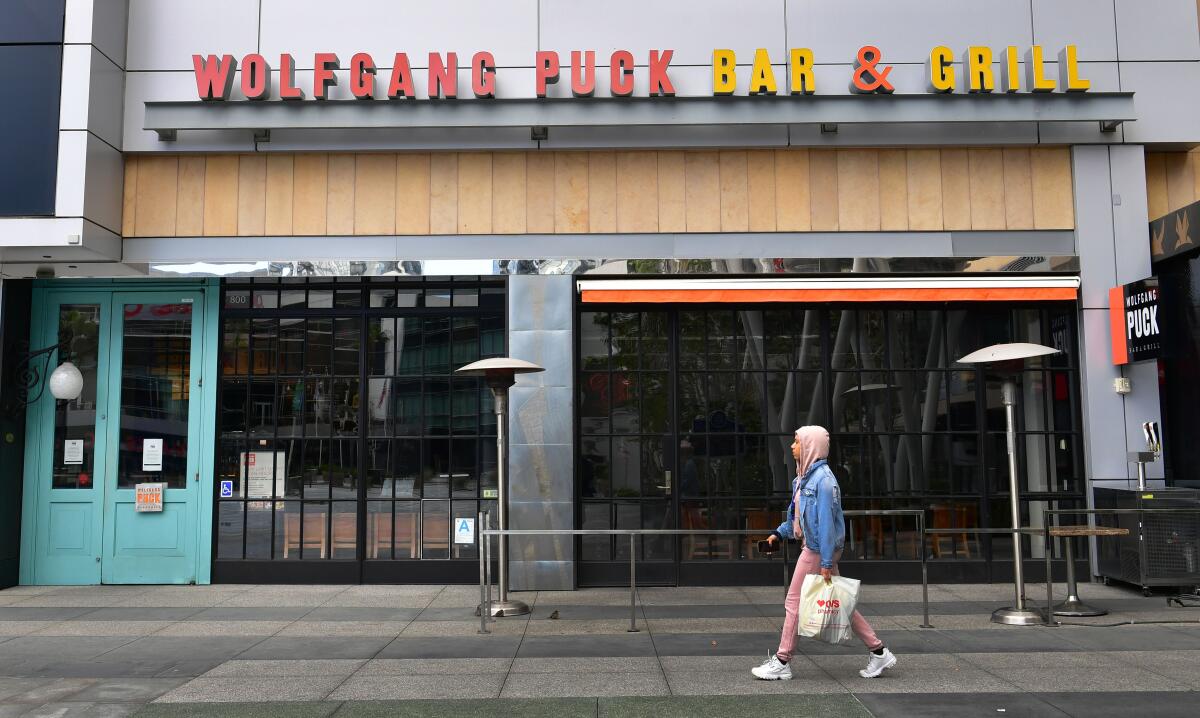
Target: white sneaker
{"x": 878, "y": 664}
{"x": 773, "y": 669}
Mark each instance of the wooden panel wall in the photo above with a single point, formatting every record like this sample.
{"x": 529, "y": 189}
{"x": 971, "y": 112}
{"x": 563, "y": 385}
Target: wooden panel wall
{"x": 788, "y": 190}
{"x": 1172, "y": 181}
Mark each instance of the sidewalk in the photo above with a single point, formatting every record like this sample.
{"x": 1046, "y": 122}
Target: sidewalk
{"x": 415, "y": 650}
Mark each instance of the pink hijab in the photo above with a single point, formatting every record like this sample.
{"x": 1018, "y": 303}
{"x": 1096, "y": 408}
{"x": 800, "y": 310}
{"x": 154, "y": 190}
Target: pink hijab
{"x": 814, "y": 445}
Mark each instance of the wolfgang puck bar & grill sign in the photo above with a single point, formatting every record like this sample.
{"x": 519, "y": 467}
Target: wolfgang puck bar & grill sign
{"x": 979, "y": 69}
{"x": 1133, "y": 320}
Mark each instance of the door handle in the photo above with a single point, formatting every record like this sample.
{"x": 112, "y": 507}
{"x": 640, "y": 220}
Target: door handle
{"x": 668, "y": 481}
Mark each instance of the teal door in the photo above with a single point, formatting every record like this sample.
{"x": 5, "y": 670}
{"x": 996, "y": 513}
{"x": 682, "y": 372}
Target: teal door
{"x": 137, "y": 423}
{"x": 65, "y": 459}
{"x": 152, "y": 436}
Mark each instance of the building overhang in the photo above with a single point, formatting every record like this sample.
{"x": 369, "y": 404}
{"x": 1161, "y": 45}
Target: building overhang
{"x": 1109, "y": 109}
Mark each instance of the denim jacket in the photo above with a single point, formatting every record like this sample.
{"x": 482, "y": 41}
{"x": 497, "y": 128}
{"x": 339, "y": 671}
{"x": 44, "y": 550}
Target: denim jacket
{"x": 820, "y": 502}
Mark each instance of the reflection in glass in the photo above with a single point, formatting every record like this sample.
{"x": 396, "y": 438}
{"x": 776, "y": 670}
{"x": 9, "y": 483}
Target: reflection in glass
{"x": 75, "y": 420}
{"x": 156, "y": 360}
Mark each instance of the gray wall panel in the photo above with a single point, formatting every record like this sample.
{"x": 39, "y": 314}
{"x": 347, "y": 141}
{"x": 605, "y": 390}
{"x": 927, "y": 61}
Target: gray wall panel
{"x": 1157, "y": 30}
{"x": 164, "y": 35}
{"x": 905, "y": 31}
{"x": 1088, "y": 24}
{"x": 1167, "y": 107}
{"x": 506, "y": 28}
{"x": 693, "y": 29}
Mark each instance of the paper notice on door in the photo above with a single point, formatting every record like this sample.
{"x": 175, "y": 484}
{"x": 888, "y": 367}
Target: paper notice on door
{"x": 73, "y": 451}
{"x": 152, "y": 454}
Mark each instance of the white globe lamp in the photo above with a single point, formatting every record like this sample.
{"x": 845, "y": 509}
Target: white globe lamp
{"x": 66, "y": 382}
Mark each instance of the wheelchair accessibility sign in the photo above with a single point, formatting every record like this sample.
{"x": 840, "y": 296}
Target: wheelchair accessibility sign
{"x": 464, "y": 531}
{"x": 226, "y": 489}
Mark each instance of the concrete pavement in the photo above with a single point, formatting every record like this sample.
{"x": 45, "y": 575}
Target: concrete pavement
{"x": 415, "y": 650}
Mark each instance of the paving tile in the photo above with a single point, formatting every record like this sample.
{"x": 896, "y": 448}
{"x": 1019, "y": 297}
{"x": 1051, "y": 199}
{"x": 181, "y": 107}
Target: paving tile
{"x": 915, "y": 674}
{"x": 10, "y": 629}
{"x": 361, "y": 613}
{"x": 1017, "y": 638}
{"x": 585, "y": 597}
{"x": 223, "y": 628}
{"x": 1078, "y": 678}
{"x": 254, "y": 613}
{"x": 1054, "y": 659}
{"x": 434, "y": 666}
{"x": 468, "y": 597}
{"x": 99, "y": 667}
{"x": 574, "y": 612}
{"x": 701, "y": 683}
{"x": 626, "y": 644}
{"x": 169, "y": 649}
{"x": 61, "y": 647}
{"x": 741, "y": 610}
{"x": 732, "y": 644}
{"x": 298, "y": 709}
{"x": 154, "y": 612}
{"x": 524, "y": 707}
{"x": 224, "y": 689}
{"x": 292, "y": 647}
{"x": 1127, "y": 638}
{"x": 711, "y": 625}
{"x": 448, "y": 613}
{"x": 12, "y": 686}
{"x": 41, "y": 613}
{"x": 389, "y": 629}
{"x": 609, "y": 626}
{"x": 296, "y": 667}
{"x": 584, "y": 683}
{"x": 484, "y": 685}
{"x": 958, "y": 705}
{"x": 577, "y": 665}
{"x": 129, "y": 690}
{"x": 1182, "y": 666}
{"x": 714, "y": 664}
{"x": 55, "y": 690}
{"x": 493, "y": 646}
{"x": 74, "y": 709}
{"x": 1088, "y": 704}
{"x": 752, "y": 706}
{"x": 299, "y": 596}
{"x": 81, "y": 627}
{"x": 690, "y": 596}
{"x": 514, "y": 626}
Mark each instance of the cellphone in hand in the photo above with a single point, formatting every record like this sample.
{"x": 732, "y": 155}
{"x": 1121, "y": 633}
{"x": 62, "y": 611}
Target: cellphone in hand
{"x": 766, "y": 547}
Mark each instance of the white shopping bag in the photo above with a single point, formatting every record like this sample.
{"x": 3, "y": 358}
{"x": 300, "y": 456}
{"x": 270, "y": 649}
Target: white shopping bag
{"x": 826, "y": 608}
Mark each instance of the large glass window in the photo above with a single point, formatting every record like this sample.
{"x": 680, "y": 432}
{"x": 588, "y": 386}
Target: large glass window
{"x": 714, "y": 394}
{"x": 344, "y": 433}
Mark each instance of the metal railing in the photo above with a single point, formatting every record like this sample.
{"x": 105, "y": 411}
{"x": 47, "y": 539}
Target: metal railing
{"x": 486, "y": 534}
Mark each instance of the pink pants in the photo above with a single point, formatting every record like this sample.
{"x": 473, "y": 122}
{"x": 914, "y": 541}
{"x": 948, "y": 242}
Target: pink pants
{"x": 810, "y": 563}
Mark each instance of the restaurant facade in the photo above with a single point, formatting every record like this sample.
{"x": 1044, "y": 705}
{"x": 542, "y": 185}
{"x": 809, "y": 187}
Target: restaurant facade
{"x": 267, "y": 233}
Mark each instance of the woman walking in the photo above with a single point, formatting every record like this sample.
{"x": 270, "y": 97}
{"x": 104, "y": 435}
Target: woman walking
{"x": 815, "y": 515}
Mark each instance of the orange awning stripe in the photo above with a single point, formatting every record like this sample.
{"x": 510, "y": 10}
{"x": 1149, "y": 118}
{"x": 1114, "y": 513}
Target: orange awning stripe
{"x": 898, "y": 294}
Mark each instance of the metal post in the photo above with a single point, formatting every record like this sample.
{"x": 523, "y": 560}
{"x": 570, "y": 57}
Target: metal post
{"x": 924, "y": 571}
{"x": 487, "y": 562}
{"x": 1141, "y": 475}
{"x": 503, "y": 606}
{"x": 1072, "y": 606}
{"x": 1017, "y": 615}
{"x": 632, "y": 584}
{"x": 483, "y": 607}
{"x": 1049, "y": 573}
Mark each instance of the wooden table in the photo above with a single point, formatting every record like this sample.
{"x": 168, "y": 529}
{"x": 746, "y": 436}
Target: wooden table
{"x": 1073, "y": 606}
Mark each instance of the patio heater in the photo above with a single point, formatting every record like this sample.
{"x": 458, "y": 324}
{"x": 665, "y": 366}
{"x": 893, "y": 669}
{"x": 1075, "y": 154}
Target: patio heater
{"x": 1008, "y": 360}
{"x": 500, "y": 374}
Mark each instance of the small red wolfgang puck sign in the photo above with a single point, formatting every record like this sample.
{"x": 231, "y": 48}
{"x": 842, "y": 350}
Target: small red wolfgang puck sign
{"x": 1133, "y": 319}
